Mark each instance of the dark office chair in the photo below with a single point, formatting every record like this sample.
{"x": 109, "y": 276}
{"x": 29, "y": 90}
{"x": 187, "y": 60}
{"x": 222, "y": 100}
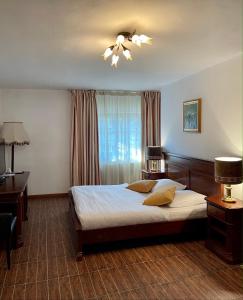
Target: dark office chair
{"x": 7, "y": 228}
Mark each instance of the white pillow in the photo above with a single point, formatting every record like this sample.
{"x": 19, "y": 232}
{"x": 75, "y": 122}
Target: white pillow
{"x": 187, "y": 198}
{"x": 166, "y": 184}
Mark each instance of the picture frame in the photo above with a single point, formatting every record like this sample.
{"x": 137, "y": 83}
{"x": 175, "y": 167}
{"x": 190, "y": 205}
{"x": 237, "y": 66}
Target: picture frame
{"x": 192, "y": 115}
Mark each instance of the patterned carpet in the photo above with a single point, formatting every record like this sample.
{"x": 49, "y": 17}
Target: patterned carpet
{"x": 45, "y": 267}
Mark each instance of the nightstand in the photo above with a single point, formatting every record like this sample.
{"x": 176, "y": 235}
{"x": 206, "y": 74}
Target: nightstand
{"x": 225, "y": 229}
{"x": 153, "y": 175}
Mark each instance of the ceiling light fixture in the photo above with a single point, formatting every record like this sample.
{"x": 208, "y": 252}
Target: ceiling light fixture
{"x": 121, "y": 38}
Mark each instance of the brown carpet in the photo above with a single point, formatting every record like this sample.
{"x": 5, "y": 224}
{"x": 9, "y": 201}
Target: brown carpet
{"x": 45, "y": 267}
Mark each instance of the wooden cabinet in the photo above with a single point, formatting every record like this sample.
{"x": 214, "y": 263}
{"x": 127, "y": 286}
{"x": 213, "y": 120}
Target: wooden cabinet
{"x": 225, "y": 222}
{"x": 153, "y": 175}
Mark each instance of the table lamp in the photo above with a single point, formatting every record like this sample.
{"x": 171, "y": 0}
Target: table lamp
{"x": 155, "y": 154}
{"x": 228, "y": 171}
{"x": 13, "y": 133}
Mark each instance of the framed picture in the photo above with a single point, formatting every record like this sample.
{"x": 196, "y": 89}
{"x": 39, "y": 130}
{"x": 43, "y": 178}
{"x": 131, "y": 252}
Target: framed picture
{"x": 192, "y": 115}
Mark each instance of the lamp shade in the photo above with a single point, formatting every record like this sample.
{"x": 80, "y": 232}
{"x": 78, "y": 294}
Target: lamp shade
{"x": 13, "y": 133}
{"x": 228, "y": 170}
{"x": 154, "y": 153}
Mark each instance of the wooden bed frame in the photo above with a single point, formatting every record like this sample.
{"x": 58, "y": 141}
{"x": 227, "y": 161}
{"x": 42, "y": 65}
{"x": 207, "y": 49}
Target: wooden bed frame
{"x": 196, "y": 174}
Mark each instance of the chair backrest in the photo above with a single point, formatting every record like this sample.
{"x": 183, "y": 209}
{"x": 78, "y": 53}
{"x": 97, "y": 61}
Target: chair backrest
{"x": 5, "y": 224}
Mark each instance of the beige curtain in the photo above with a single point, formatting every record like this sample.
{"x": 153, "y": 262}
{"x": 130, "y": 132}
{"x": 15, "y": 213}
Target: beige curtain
{"x": 151, "y": 120}
{"x": 84, "y": 140}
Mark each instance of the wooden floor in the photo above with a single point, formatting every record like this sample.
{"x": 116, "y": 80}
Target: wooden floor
{"x": 45, "y": 267}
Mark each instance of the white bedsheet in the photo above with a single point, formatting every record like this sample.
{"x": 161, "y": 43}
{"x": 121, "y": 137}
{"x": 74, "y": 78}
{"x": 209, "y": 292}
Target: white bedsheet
{"x": 114, "y": 205}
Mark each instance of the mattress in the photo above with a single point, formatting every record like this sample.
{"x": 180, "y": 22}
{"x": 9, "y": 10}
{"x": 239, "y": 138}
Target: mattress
{"x": 114, "y": 205}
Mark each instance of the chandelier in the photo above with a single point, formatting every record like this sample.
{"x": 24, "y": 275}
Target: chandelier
{"x": 119, "y": 46}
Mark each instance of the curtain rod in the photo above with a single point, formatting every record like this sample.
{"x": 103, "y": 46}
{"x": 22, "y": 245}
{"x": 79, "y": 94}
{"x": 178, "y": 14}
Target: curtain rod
{"x": 118, "y": 92}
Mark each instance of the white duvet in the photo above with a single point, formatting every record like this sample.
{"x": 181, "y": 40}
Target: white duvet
{"x": 115, "y": 205}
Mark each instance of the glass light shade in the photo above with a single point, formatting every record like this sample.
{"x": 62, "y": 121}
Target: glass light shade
{"x": 120, "y": 39}
{"x": 136, "y": 40}
{"x": 127, "y": 54}
{"x": 107, "y": 53}
{"x": 145, "y": 39}
{"x": 115, "y": 59}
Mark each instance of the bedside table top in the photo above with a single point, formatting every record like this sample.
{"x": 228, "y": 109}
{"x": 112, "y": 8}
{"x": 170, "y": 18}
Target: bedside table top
{"x": 216, "y": 200}
{"x": 150, "y": 172}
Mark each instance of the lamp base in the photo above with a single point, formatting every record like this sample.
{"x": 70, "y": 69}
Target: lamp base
{"x": 9, "y": 172}
{"x": 154, "y": 166}
{"x": 229, "y": 200}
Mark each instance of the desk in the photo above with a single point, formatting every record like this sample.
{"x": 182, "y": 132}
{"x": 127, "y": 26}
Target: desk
{"x": 14, "y": 199}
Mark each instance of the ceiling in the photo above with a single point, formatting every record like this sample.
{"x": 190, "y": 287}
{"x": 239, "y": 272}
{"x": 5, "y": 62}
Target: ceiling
{"x": 59, "y": 43}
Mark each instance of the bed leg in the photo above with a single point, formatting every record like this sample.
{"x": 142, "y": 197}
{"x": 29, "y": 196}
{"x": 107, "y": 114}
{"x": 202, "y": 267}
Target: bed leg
{"x": 79, "y": 256}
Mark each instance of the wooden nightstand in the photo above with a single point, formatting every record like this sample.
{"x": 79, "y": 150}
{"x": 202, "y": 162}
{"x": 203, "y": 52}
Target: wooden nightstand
{"x": 225, "y": 229}
{"x": 153, "y": 175}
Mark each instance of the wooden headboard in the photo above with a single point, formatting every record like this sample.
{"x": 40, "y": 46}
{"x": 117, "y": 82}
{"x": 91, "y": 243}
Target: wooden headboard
{"x": 196, "y": 174}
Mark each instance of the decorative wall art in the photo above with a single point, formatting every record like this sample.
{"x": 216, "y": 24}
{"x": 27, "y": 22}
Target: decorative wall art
{"x": 192, "y": 116}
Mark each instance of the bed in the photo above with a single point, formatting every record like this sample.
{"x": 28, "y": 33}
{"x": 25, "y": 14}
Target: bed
{"x": 99, "y": 218}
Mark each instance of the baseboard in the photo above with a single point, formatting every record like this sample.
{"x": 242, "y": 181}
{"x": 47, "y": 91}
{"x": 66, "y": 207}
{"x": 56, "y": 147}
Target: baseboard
{"x": 45, "y": 196}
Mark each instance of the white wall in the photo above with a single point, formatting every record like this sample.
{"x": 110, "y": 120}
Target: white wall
{"x": 47, "y": 116}
{"x": 1, "y": 108}
{"x": 220, "y": 88}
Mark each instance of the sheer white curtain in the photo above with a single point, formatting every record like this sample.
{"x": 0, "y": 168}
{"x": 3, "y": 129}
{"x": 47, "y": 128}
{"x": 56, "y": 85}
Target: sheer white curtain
{"x": 119, "y": 121}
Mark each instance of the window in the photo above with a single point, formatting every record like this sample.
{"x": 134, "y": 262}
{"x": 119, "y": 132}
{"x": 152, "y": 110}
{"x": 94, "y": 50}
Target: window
{"x": 119, "y": 120}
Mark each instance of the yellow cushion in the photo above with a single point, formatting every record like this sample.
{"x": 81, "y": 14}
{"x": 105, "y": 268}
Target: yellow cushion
{"x": 161, "y": 197}
{"x": 142, "y": 186}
